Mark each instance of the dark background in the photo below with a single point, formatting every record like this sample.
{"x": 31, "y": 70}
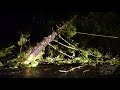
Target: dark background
{"x": 34, "y": 17}
{"x": 37, "y": 23}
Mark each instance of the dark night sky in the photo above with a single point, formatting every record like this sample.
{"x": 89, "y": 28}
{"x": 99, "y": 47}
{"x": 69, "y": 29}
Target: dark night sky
{"x": 9, "y": 23}
{"x": 12, "y": 22}
{"x": 14, "y": 18}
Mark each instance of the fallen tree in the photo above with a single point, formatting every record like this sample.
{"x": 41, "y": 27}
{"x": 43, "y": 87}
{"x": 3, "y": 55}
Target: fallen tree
{"x": 47, "y": 40}
{"x": 37, "y": 51}
{"x": 34, "y": 56}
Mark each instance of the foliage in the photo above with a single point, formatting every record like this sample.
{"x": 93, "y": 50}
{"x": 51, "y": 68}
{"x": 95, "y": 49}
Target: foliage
{"x": 71, "y": 31}
{"x": 23, "y": 60}
{"x": 1, "y": 64}
{"x": 34, "y": 61}
{"x": 23, "y": 40}
{"x": 95, "y": 52}
{"x": 76, "y": 45}
{"x": 6, "y": 51}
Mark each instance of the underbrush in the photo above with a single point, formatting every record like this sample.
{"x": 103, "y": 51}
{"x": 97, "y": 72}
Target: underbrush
{"x": 81, "y": 56}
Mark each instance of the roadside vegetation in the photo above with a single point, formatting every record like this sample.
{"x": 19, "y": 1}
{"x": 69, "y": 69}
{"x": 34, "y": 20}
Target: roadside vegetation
{"x": 81, "y": 42}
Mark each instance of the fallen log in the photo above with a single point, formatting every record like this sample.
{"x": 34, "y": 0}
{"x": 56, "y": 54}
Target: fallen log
{"x": 47, "y": 40}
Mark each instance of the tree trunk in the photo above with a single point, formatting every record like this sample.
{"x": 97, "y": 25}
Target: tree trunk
{"x": 47, "y": 40}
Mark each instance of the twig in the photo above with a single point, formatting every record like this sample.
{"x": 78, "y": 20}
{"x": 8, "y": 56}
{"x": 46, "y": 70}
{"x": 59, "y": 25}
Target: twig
{"x": 97, "y": 35}
{"x": 78, "y": 67}
{"x": 65, "y": 25}
{"x": 66, "y": 41}
{"x": 65, "y": 45}
{"x": 61, "y": 51}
